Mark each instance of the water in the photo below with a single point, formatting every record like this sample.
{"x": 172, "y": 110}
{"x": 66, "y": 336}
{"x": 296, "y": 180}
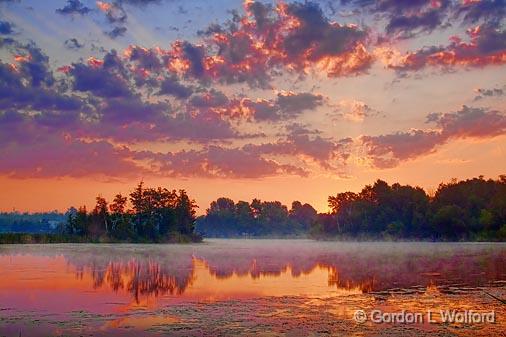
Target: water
{"x": 188, "y": 289}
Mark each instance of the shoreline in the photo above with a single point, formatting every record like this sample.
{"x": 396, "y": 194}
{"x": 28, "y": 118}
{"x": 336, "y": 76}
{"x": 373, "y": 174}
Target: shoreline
{"x": 48, "y": 238}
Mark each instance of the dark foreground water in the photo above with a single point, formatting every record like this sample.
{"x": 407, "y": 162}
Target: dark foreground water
{"x": 249, "y": 287}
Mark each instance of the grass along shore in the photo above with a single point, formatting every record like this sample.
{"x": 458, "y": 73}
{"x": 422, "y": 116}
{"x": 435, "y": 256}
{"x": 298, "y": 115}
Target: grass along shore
{"x": 50, "y": 238}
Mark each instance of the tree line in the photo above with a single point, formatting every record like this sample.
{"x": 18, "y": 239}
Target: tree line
{"x": 224, "y": 218}
{"x": 156, "y": 215}
{"x": 16, "y": 222}
{"x": 473, "y": 209}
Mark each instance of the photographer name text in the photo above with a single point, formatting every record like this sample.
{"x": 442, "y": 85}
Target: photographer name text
{"x": 430, "y": 316}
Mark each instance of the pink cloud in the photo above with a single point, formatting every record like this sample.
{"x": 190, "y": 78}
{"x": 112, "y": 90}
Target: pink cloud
{"x": 391, "y": 149}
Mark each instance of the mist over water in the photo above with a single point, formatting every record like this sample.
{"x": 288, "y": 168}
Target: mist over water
{"x": 112, "y": 279}
{"x": 158, "y": 270}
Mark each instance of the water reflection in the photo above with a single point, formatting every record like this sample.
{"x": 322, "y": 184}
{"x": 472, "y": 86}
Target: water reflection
{"x": 139, "y": 278}
{"x": 238, "y": 269}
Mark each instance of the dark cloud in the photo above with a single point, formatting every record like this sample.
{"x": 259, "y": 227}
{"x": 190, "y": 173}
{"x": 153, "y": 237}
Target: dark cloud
{"x": 140, "y": 2}
{"x": 145, "y": 66}
{"x": 260, "y": 109}
{"x": 389, "y": 150}
{"x": 58, "y": 119}
{"x": 28, "y": 84}
{"x": 74, "y": 7}
{"x": 406, "y": 19}
{"x": 315, "y": 37}
{"x": 40, "y": 99}
{"x": 195, "y": 56}
{"x": 99, "y": 81}
{"x": 167, "y": 128}
{"x": 114, "y": 11}
{"x": 285, "y": 106}
{"x": 213, "y": 28}
{"x": 405, "y": 26}
{"x": 171, "y": 86}
{"x": 122, "y": 111}
{"x": 6, "y": 28}
{"x": 106, "y": 106}
{"x": 36, "y": 66}
{"x": 296, "y": 37}
{"x": 487, "y": 47}
{"x": 102, "y": 115}
{"x": 495, "y": 92}
{"x": 116, "y": 97}
{"x": 116, "y": 32}
{"x": 7, "y": 42}
{"x": 112, "y": 62}
{"x": 262, "y": 14}
{"x": 211, "y": 99}
{"x": 399, "y": 7}
{"x": 117, "y": 16}
{"x": 295, "y": 103}
{"x": 484, "y": 10}
{"x": 27, "y": 127}
{"x": 489, "y": 39}
{"x": 472, "y": 122}
{"x": 201, "y": 127}
{"x": 239, "y": 61}
{"x": 144, "y": 58}
{"x": 105, "y": 78}
{"x": 32, "y": 64}
{"x": 73, "y": 43}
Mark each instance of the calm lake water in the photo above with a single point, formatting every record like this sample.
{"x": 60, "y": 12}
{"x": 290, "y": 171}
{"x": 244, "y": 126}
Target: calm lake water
{"x": 247, "y": 285}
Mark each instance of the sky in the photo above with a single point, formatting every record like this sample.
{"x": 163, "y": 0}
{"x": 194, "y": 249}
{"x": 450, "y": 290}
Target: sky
{"x": 277, "y": 100}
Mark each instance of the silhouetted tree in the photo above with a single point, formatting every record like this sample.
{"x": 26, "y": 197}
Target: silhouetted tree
{"x": 100, "y": 216}
{"x": 459, "y": 210}
{"x": 121, "y": 222}
{"x": 185, "y": 213}
{"x": 224, "y": 218}
{"x": 80, "y": 223}
{"x": 119, "y": 204}
{"x": 157, "y": 214}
